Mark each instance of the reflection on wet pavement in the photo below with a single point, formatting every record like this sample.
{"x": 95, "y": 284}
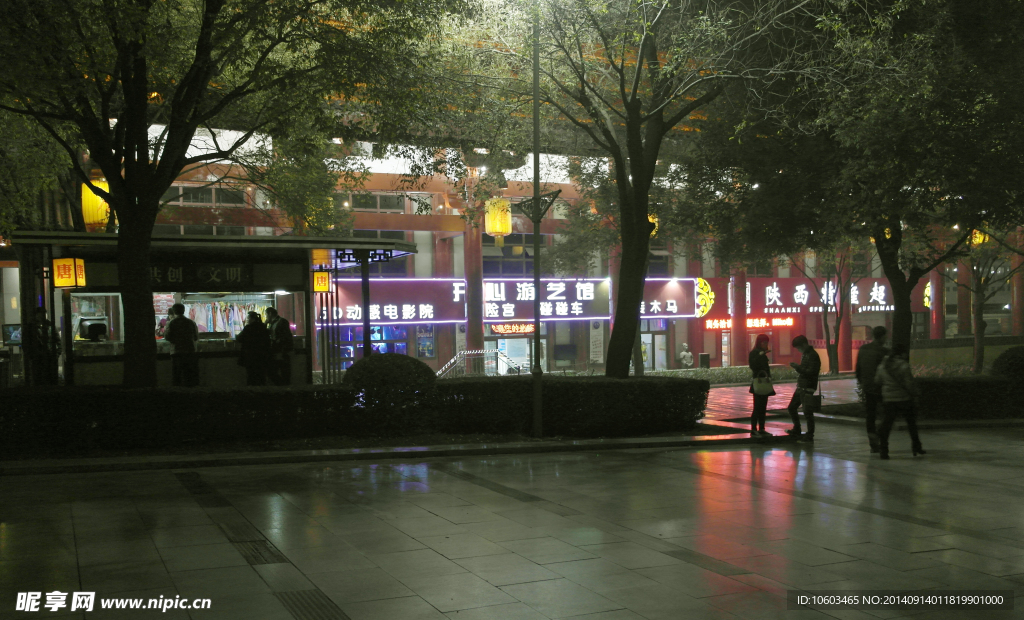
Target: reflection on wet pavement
{"x": 611, "y": 535}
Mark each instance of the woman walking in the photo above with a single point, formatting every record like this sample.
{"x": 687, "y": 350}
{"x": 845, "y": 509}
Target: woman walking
{"x": 760, "y": 388}
{"x": 898, "y": 393}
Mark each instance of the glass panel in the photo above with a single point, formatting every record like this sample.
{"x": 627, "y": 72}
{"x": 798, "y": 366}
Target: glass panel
{"x": 171, "y": 195}
{"x": 512, "y": 267}
{"x": 396, "y": 332}
{"x": 341, "y": 202}
{"x": 197, "y": 195}
{"x": 167, "y": 229}
{"x": 392, "y": 202}
{"x": 364, "y": 202}
{"x": 364, "y": 234}
{"x": 425, "y": 341}
{"x": 230, "y": 197}
{"x": 231, "y": 231}
{"x": 395, "y": 235}
{"x": 492, "y": 267}
{"x": 198, "y": 230}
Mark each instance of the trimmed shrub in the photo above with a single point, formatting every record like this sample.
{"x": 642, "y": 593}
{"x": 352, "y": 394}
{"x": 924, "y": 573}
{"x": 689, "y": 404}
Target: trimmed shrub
{"x": 390, "y": 387}
{"x": 1010, "y": 366}
{"x": 959, "y": 398}
{"x": 728, "y": 374}
{"x": 573, "y": 406}
{"x": 44, "y": 421}
{"x": 77, "y": 419}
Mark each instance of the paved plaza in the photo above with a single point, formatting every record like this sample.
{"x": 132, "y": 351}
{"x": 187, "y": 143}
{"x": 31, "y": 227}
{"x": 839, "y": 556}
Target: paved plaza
{"x": 717, "y": 532}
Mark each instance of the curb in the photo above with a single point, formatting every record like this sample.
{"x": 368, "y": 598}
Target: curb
{"x": 97, "y": 465}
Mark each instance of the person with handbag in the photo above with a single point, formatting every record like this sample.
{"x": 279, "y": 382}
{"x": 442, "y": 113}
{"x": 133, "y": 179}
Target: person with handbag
{"x": 806, "y": 384}
{"x": 761, "y": 385}
{"x": 898, "y": 394}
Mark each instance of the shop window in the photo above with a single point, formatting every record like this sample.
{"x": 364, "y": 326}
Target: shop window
{"x": 659, "y": 261}
{"x": 197, "y": 195}
{"x": 230, "y": 197}
{"x": 167, "y": 229}
{"x": 761, "y": 269}
{"x": 383, "y": 339}
{"x": 860, "y": 266}
{"x": 198, "y": 229}
{"x": 96, "y": 324}
{"x": 230, "y": 231}
{"x": 374, "y": 203}
{"x": 514, "y": 259}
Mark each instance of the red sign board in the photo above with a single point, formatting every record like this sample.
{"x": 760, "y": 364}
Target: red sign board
{"x": 512, "y": 328}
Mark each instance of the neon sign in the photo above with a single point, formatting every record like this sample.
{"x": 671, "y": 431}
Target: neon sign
{"x": 772, "y": 322}
{"x": 512, "y": 328}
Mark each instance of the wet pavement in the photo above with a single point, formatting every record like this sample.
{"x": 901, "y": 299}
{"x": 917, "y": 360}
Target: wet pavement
{"x": 667, "y": 533}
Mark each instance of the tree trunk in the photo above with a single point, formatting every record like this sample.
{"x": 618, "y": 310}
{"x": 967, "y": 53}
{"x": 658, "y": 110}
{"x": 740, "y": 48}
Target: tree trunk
{"x": 900, "y": 285}
{"x": 638, "y": 355}
{"x": 980, "y": 290}
{"x": 632, "y": 270}
{"x": 133, "y": 270}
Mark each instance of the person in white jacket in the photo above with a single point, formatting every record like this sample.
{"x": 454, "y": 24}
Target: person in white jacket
{"x": 898, "y": 393}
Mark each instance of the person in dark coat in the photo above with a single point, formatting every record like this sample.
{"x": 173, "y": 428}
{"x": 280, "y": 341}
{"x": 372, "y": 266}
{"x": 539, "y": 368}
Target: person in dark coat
{"x": 183, "y": 334}
{"x": 43, "y": 348}
{"x": 280, "y": 329}
{"x": 255, "y": 353}
{"x": 868, "y": 359}
{"x": 807, "y": 372}
{"x": 760, "y": 367}
{"x": 898, "y": 395}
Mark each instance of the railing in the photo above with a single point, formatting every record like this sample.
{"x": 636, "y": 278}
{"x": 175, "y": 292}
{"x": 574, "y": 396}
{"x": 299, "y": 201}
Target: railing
{"x": 486, "y": 362}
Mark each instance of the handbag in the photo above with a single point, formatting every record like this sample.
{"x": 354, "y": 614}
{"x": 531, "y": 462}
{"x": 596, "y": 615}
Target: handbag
{"x": 763, "y": 385}
{"x": 812, "y": 401}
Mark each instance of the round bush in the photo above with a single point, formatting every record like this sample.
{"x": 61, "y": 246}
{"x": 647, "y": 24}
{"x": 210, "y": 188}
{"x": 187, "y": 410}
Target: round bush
{"x": 1010, "y": 365}
{"x": 391, "y": 387}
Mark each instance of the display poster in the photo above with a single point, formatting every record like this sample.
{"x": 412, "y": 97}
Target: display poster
{"x": 460, "y": 337}
{"x": 596, "y": 342}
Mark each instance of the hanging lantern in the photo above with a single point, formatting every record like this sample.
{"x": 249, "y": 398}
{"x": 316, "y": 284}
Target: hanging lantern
{"x": 95, "y": 210}
{"x": 498, "y": 219}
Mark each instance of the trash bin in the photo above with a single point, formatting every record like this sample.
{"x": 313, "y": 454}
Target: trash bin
{"x": 704, "y": 360}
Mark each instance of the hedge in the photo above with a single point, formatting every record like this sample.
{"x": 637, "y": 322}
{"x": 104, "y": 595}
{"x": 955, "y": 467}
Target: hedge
{"x": 79, "y": 420}
{"x": 965, "y": 398}
{"x": 573, "y": 406}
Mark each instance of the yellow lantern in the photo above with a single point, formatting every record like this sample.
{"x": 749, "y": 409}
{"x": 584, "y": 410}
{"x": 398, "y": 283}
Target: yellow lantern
{"x": 498, "y": 219}
{"x": 95, "y": 210}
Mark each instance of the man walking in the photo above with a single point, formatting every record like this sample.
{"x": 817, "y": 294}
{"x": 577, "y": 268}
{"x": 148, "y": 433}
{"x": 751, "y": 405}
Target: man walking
{"x": 183, "y": 335}
{"x": 807, "y": 382}
{"x": 280, "y": 348}
{"x": 868, "y": 359}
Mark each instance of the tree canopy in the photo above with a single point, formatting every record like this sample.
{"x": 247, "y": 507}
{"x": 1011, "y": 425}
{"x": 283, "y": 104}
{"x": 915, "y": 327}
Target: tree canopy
{"x": 134, "y": 80}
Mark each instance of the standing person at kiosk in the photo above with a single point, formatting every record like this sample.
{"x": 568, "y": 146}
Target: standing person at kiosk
{"x": 183, "y": 334}
{"x": 280, "y": 369}
{"x": 255, "y": 354}
{"x": 43, "y": 349}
